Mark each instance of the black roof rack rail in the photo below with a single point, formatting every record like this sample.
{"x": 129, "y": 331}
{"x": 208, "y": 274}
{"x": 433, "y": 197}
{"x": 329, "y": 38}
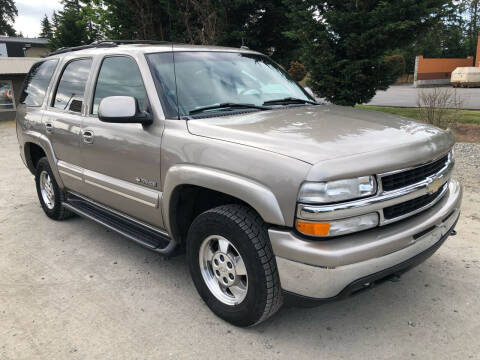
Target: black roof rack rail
{"x": 122, "y": 42}
{"x": 105, "y": 43}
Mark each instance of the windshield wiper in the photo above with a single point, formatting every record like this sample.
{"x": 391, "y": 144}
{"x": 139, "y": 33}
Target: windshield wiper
{"x": 228, "y": 105}
{"x": 289, "y": 100}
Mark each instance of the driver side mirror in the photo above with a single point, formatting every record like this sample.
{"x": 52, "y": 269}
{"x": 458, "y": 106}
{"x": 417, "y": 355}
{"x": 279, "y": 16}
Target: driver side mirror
{"x": 122, "y": 110}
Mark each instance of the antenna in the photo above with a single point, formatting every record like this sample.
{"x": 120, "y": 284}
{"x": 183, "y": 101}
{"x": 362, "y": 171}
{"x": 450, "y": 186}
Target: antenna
{"x": 169, "y": 21}
{"x": 175, "y": 77}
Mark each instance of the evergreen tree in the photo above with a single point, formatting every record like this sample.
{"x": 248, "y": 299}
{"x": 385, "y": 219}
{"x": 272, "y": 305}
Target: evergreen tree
{"x": 345, "y": 42}
{"x": 116, "y": 20}
{"x": 46, "y": 28}
{"x": 75, "y": 25}
{"x": 261, "y": 25}
{"x": 8, "y": 12}
{"x": 154, "y": 19}
{"x": 266, "y": 31}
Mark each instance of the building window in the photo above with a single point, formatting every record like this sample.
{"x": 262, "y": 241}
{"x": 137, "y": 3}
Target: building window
{"x": 7, "y": 99}
{"x": 3, "y": 50}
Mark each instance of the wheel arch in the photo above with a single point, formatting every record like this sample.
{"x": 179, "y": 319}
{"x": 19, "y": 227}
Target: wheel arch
{"x": 199, "y": 188}
{"x": 40, "y": 143}
{"x": 33, "y": 153}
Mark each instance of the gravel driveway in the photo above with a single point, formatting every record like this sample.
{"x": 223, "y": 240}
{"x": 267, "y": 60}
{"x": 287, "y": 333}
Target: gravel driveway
{"x": 74, "y": 290}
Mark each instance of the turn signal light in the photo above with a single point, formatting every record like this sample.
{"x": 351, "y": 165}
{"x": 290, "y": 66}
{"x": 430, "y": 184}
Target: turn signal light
{"x": 313, "y": 229}
{"x": 338, "y": 227}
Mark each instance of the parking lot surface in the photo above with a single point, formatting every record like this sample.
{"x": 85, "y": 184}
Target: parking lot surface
{"x": 74, "y": 290}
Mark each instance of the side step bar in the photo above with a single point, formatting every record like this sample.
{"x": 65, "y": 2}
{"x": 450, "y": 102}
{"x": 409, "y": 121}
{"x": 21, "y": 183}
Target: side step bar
{"x": 143, "y": 235}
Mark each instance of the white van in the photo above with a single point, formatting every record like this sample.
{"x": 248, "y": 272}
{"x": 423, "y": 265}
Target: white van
{"x": 466, "y": 77}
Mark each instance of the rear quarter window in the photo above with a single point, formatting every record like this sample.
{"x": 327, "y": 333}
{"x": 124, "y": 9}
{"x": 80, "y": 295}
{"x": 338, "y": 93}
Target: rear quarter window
{"x": 36, "y": 83}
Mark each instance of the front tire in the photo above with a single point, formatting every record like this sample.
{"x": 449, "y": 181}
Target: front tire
{"x": 49, "y": 194}
{"x": 232, "y": 265}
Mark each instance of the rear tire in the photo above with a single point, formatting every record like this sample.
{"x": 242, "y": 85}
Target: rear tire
{"x": 232, "y": 265}
{"x": 49, "y": 194}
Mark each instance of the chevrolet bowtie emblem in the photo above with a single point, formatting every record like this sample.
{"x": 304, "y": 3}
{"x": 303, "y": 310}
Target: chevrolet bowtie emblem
{"x": 434, "y": 185}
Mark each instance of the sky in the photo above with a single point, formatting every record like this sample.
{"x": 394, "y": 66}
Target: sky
{"x": 31, "y": 13}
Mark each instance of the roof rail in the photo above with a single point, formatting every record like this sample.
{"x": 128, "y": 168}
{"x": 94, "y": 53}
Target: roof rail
{"x": 121, "y": 42}
{"x": 105, "y": 43}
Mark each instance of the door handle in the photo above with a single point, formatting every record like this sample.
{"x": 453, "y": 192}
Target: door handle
{"x": 49, "y": 128}
{"x": 87, "y": 136}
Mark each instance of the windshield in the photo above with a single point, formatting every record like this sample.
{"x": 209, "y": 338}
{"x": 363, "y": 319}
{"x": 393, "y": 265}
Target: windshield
{"x": 206, "y": 79}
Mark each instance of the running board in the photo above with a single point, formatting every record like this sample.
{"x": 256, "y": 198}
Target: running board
{"x": 143, "y": 235}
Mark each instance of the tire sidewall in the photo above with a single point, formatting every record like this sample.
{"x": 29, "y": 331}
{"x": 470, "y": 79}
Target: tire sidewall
{"x": 250, "y": 310}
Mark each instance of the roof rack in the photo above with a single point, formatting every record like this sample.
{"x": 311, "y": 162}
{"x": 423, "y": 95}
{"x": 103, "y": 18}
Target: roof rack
{"x": 104, "y": 44}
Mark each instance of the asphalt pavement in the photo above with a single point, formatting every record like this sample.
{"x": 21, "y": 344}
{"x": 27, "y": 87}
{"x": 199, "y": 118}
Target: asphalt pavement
{"x": 407, "y": 95}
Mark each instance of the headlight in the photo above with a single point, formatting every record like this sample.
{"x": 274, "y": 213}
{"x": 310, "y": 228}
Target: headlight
{"x": 338, "y": 227}
{"x": 336, "y": 191}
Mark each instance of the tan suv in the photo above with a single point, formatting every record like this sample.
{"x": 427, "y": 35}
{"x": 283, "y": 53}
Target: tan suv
{"x": 217, "y": 150}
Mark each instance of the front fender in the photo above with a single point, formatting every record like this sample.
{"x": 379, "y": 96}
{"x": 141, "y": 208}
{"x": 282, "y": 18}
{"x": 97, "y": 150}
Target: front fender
{"x": 258, "y": 196}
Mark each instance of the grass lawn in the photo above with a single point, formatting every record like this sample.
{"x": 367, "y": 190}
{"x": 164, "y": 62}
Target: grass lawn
{"x": 464, "y": 116}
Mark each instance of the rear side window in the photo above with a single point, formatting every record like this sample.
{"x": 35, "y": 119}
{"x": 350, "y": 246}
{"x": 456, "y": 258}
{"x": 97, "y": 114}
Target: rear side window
{"x": 71, "y": 88}
{"x": 36, "y": 83}
{"x": 120, "y": 76}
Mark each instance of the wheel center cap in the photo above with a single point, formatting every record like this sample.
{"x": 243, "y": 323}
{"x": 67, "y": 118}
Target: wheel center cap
{"x": 223, "y": 268}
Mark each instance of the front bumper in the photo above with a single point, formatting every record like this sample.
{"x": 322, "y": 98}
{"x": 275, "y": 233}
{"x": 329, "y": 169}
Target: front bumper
{"x": 323, "y": 269}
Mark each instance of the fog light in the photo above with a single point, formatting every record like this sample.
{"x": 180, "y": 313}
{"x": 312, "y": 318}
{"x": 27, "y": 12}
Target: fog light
{"x": 338, "y": 227}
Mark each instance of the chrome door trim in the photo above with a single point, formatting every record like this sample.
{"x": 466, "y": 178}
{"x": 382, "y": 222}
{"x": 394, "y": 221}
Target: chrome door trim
{"x": 154, "y": 205}
{"x": 119, "y": 187}
{"x": 70, "y": 170}
{"x": 71, "y": 175}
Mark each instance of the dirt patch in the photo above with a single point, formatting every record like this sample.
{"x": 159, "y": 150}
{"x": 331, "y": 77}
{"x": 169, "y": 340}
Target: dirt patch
{"x": 466, "y": 132}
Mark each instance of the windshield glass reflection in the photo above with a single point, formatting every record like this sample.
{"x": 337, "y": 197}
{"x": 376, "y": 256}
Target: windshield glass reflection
{"x": 205, "y": 79}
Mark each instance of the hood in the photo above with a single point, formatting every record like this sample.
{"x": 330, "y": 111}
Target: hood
{"x": 318, "y": 133}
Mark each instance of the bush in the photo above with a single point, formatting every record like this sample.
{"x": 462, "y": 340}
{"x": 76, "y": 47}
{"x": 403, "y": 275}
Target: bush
{"x": 439, "y": 106}
{"x": 297, "y": 71}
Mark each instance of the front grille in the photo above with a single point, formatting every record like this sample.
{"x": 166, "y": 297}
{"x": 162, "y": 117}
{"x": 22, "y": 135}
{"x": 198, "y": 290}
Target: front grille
{"x": 413, "y": 176}
{"x": 409, "y": 206}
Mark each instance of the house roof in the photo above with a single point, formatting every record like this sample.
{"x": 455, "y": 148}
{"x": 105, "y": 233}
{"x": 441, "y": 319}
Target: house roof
{"x": 14, "y": 39}
{"x": 16, "y": 65}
